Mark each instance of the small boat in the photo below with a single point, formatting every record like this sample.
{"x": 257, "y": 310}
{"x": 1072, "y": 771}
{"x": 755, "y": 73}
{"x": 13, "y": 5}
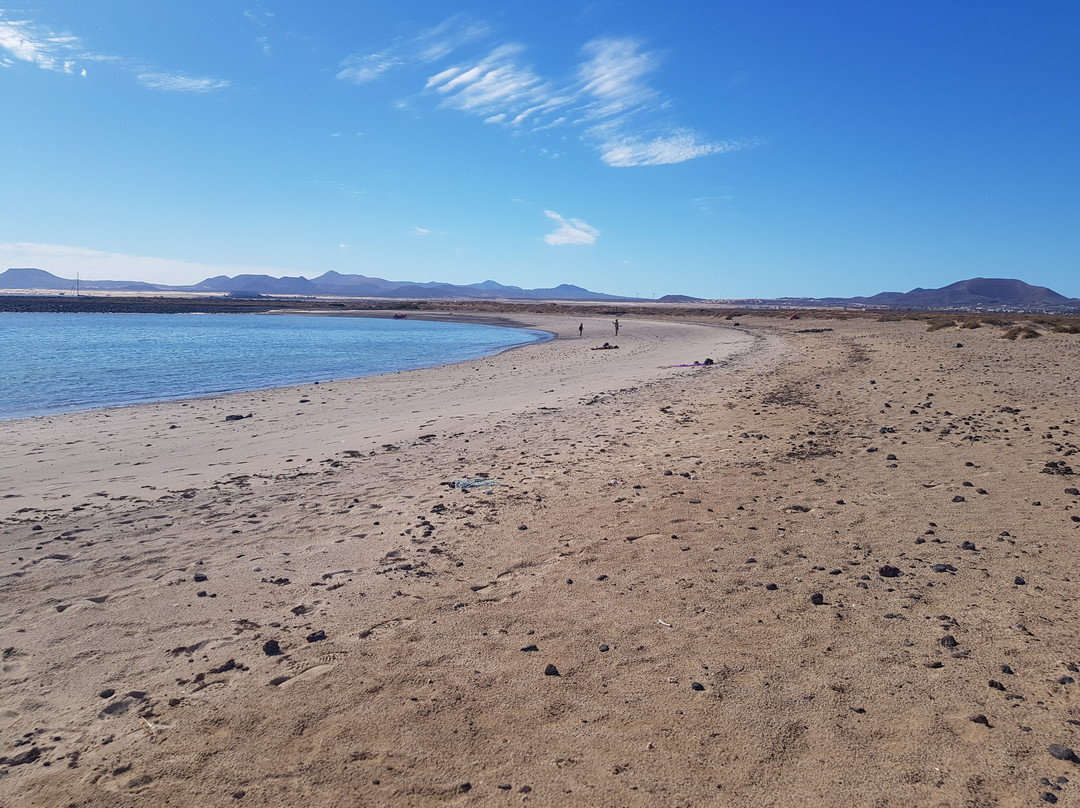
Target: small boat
{"x": 401, "y": 316}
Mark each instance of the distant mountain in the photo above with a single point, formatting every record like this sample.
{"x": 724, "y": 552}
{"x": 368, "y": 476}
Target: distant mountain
{"x": 974, "y": 293}
{"x": 330, "y": 284}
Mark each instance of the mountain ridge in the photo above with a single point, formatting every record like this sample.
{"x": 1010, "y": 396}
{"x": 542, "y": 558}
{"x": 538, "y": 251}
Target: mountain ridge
{"x": 330, "y": 283}
{"x": 972, "y": 293}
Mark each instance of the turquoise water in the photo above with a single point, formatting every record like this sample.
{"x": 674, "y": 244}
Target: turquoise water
{"x": 53, "y": 363}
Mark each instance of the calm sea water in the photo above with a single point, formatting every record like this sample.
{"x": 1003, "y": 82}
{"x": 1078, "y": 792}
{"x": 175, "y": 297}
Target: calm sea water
{"x": 60, "y": 362}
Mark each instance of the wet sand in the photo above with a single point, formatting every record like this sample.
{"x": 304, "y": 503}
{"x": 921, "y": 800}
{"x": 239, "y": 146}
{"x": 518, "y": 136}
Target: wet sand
{"x": 835, "y": 568}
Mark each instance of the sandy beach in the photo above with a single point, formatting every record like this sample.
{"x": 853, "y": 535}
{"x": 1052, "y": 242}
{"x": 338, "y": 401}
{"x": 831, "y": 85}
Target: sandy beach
{"x": 835, "y": 567}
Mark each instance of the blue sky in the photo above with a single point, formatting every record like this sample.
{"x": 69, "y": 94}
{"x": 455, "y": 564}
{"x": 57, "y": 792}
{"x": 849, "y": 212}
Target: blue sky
{"x": 715, "y": 149}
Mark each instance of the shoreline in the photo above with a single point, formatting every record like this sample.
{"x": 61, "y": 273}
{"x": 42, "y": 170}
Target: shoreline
{"x": 448, "y": 317}
{"x": 452, "y": 393}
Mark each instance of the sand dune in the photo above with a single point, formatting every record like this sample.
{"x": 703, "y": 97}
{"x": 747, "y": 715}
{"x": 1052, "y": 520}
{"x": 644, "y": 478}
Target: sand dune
{"x": 838, "y": 567}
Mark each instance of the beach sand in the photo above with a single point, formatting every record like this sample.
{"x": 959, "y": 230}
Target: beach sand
{"x": 834, "y": 568}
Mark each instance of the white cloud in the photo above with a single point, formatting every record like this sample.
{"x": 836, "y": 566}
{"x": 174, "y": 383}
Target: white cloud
{"x": 614, "y": 76}
{"x": 607, "y": 95}
{"x": 677, "y": 147}
{"x": 421, "y": 231}
{"x": 67, "y": 261}
{"x": 426, "y": 47}
{"x": 29, "y": 43}
{"x": 25, "y": 41}
{"x": 179, "y": 83}
{"x": 569, "y": 231}
{"x": 494, "y": 87}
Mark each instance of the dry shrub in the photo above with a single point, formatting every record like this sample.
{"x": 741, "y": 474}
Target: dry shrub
{"x": 971, "y": 323}
{"x": 1021, "y": 332}
{"x": 1067, "y": 328}
{"x": 937, "y": 325}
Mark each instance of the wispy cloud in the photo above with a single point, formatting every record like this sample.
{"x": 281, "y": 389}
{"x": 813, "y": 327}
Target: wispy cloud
{"x": 606, "y": 96}
{"x": 178, "y": 83}
{"x": 26, "y": 41}
{"x": 23, "y": 41}
{"x": 569, "y": 231}
{"x": 676, "y": 147}
{"x": 426, "y": 47}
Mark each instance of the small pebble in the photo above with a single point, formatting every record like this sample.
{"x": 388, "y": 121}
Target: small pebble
{"x": 107, "y": 693}
{"x": 697, "y": 686}
{"x": 604, "y": 649}
{"x": 888, "y": 571}
{"x": 1019, "y": 581}
{"x": 530, "y": 648}
{"x": 551, "y": 670}
{"x": 271, "y": 648}
{"x": 316, "y": 636}
{"x": 817, "y": 599}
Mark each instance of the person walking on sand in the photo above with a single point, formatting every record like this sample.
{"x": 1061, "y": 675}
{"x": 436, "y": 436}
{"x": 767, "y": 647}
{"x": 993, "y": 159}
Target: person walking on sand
{"x": 616, "y": 324}
{"x": 580, "y": 330}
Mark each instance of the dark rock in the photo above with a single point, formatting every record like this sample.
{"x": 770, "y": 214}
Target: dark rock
{"x": 958, "y": 498}
{"x": 1060, "y": 752}
{"x": 771, "y": 587}
{"x": 968, "y": 545}
{"x": 1073, "y": 492}
{"x": 529, "y": 648}
{"x": 316, "y": 636}
{"x": 29, "y": 756}
{"x": 697, "y": 686}
{"x": 890, "y": 457}
{"x": 551, "y": 670}
{"x": 888, "y": 571}
{"x": 1008, "y": 670}
{"x": 1019, "y": 581}
{"x": 271, "y": 648}
{"x": 1066, "y": 680}
{"x": 981, "y": 719}
{"x": 464, "y": 788}
{"x": 934, "y": 665}
{"x": 234, "y": 418}
{"x": 817, "y": 599}
{"x": 1049, "y": 796}
{"x": 239, "y": 794}
{"x": 943, "y": 568}
{"x": 199, "y": 578}
{"x": 948, "y": 641}
{"x": 604, "y": 649}
{"x": 107, "y": 693}
{"x": 996, "y": 685}
{"x": 523, "y": 527}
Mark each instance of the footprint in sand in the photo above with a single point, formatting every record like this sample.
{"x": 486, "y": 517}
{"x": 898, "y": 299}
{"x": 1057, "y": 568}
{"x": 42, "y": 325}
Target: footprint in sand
{"x": 85, "y": 603}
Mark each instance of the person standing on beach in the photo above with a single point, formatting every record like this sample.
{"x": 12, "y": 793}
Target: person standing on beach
{"x": 580, "y": 330}
{"x": 616, "y": 326}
